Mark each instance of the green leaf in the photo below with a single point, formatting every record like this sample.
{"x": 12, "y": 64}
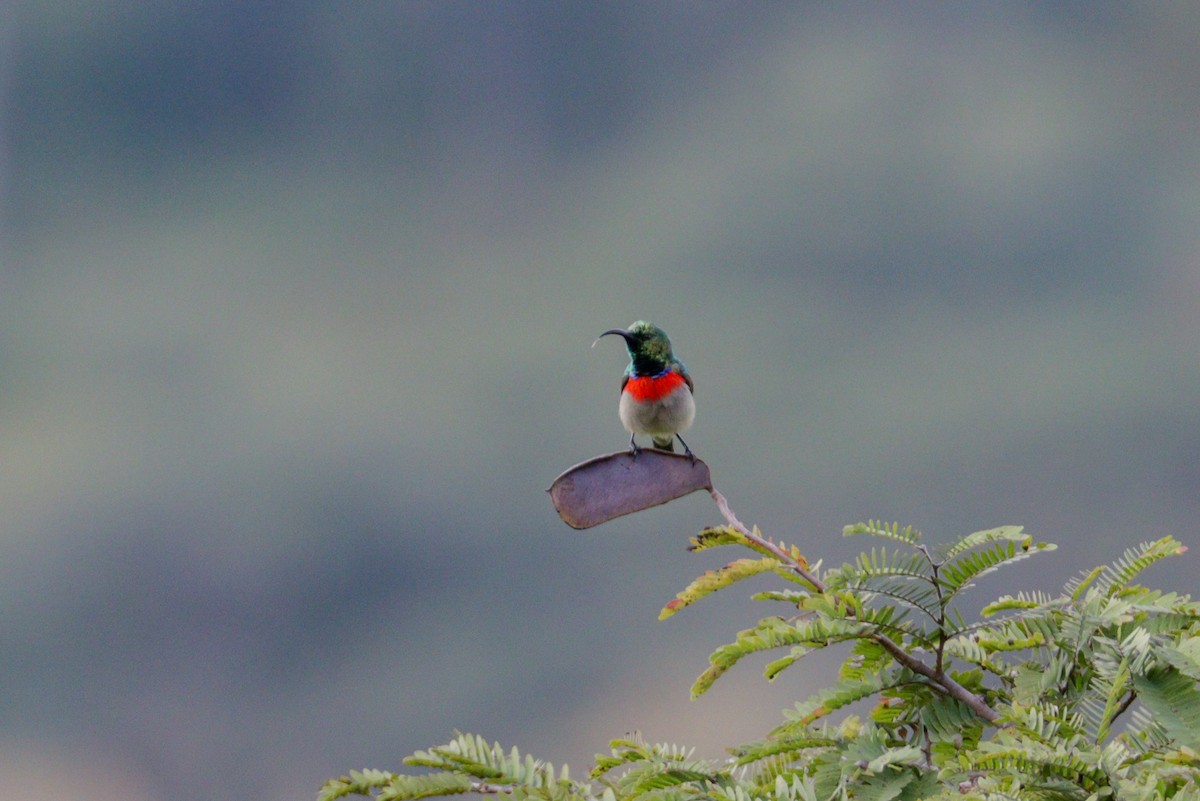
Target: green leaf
{"x": 715, "y": 537}
{"x": 848, "y": 606}
{"x": 715, "y": 580}
{"x": 789, "y": 743}
{"x": 472, "y": 756}
{"x": 905, "y": 756}
{"x": 959, "y": 573}
{"x": 406, "y": 788}
{"x": 1136, "y": 560}
{"x": 890, "y": 575}
{"x": 1174, "y": 700}
{"x": 968, "y": 649}
{"x": 671, "y": 777}
{"x": 845, "y": 692}
{"x": 1013, "y": 534}
{"x": 773, "y": 633}
{"x": 1184, "y": 656}
{"x": 1033, "y": 765}
{"x": 357, "y": 783}
{"x": 880, "y": 565}
{"x": 793, "y": 597}
{"x": 1021, "y": 601}
{"x": 1117, "y": 690}
{"x": 1077, "y": 587}
{"x": 949, "y": 720}
{"x": 777, "y": 666}
{"x": 908, "y": 535}
{"x": 915, "y": 592}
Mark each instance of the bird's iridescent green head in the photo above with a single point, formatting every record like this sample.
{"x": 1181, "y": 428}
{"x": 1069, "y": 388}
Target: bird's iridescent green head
{"x": 648, "y": 346}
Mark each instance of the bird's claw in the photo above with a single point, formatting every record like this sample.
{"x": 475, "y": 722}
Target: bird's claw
{"x": 686, "y": 450}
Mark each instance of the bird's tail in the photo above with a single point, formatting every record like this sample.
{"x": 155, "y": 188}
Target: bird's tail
{"x": 665, "y": 443}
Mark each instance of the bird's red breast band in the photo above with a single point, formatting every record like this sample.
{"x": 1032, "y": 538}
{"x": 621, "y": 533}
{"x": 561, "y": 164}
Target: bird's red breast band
{"x": 655, "y": 387}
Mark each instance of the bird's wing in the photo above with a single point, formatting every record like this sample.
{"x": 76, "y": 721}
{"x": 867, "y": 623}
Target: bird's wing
{"x": 679, "y": 368}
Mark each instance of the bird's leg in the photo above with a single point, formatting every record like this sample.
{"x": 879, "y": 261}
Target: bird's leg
{"x": 687, "y": 451}
{"x": 634, "y": 450}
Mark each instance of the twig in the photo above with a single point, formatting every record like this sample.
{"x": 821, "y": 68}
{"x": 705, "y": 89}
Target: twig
{"x": 487, "y": 788}
{"x": 938, "y": 677}
{"x": 765, "y": 544}
{"x": 1125, "y": 704}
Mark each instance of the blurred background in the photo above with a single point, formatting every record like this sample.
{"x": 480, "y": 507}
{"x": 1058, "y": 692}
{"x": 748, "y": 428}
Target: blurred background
{"x": 295, "y": 313}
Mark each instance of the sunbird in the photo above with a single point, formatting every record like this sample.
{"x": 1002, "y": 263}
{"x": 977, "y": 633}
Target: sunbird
{"x": 656, "y": 391}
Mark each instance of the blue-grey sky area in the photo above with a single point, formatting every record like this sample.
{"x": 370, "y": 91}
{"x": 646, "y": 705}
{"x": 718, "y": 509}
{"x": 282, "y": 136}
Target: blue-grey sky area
{"x": 295, "y": 312}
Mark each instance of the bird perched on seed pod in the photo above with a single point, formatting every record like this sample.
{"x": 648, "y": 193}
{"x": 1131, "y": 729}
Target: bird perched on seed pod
{"x": 656, "y": 392}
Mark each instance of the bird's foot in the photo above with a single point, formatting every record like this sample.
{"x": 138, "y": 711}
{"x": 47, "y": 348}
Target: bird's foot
{"x": 687, "y": 451}
{"x": 634, "y": 450}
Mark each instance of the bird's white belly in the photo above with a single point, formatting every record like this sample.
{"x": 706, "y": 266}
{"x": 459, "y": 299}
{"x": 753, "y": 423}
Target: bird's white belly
{"x": 670, "y": 414}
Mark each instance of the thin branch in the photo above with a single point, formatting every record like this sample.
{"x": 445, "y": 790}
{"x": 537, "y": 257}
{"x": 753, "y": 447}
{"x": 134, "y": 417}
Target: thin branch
{"x": 1125, "y": 704}
{"x": 895, "y": 596}
{"x": 766, "y": 544}
{"x": 487, "y": 788}
{"x": 938, "y": 678}
{"x": 924, "y": 549}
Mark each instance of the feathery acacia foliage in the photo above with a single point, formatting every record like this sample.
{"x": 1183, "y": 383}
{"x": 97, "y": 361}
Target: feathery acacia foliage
{"x": 1087, "y": 694}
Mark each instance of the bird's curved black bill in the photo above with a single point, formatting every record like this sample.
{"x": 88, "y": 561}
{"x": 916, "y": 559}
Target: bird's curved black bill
{"x": 620, "y": 332}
